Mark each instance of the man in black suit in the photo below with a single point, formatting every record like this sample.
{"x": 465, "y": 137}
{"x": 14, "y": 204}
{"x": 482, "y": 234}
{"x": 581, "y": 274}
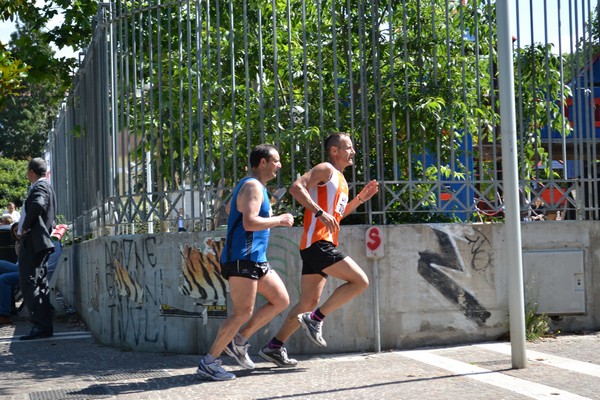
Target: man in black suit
{"x": 36, "y": 246}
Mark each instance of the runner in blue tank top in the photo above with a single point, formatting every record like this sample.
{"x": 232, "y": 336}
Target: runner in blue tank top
{"x": 242, "y": 244}
{"x": 244, "y": 263}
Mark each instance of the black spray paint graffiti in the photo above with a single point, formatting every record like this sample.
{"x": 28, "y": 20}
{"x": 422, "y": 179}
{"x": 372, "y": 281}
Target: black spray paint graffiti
{"x": 126, "y": 260}
{"x": 429, "y": 268}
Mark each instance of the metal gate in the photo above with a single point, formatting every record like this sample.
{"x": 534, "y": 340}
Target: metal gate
{"x": 171, "y": 96}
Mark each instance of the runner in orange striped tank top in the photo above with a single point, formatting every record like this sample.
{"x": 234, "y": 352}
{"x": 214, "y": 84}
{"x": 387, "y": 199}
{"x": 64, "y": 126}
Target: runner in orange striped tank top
{"x": 323, "y": 191}
{"x": 332, "y": 198}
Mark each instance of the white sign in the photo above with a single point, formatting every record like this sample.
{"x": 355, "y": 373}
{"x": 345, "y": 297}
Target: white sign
{"x": 374, "y": 243}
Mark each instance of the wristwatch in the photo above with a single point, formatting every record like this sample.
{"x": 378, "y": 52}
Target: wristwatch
{"x": 318, "y": 213}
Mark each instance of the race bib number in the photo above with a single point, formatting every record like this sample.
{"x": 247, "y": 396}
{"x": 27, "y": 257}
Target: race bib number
{"x": 341, "y": 204}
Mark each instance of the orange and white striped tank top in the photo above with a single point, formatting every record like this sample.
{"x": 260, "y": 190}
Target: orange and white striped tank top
{"x": 332, "y": 197}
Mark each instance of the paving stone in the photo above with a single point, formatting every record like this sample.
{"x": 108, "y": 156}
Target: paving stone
{"x": 72, "y": 365}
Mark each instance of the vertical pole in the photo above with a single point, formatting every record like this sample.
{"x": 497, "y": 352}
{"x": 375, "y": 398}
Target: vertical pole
{"x": 149, "y": 188}
{"x": 374, "y": 248}
{"x": 516, "y": 306}
{"x": 376, "y": 302}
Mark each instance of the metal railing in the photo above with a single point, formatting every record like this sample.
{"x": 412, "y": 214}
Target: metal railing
{"x": 171, "y": 96}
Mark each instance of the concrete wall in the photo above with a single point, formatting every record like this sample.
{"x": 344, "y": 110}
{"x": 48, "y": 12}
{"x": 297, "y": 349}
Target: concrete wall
{"x": 438, "y": 284}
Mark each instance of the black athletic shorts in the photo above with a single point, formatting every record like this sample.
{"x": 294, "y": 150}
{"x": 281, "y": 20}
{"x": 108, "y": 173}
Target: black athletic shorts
{"x": 245, "y": 269}
{"x": 318, "y": 256}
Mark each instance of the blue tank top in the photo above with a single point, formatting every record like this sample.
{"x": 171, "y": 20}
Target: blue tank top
{"x": 241, "y": 244}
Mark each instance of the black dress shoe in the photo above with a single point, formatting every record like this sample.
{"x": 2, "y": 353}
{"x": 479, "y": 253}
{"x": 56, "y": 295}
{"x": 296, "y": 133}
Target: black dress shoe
{"x": 36, "y": 333}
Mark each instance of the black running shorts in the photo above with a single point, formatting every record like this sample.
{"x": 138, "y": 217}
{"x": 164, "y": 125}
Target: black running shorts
{"x": 245, "y": 269}
{"x": 318, "y": 256}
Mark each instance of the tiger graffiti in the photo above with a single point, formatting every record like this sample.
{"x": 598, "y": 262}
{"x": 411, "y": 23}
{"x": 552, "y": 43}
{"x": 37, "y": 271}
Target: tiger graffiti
{"x": 431, "y": 267}
{"x": 125, "y": 258}
{"x": 126, "y": 286}
{"x": 202, "y": 277}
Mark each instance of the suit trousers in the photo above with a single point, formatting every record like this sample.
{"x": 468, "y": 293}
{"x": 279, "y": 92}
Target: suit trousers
{"x": 33, "y": 279}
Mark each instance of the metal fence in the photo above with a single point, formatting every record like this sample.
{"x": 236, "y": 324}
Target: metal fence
{"x": 170, "y": 96}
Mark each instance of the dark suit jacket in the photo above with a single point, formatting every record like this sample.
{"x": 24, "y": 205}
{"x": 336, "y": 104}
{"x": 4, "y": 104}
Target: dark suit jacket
{"x": 39, "y": 216}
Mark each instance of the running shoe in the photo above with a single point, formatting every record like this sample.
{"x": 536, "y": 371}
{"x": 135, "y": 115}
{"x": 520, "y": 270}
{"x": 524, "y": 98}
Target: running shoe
{"x": 313, "y": 329}
{"x": 277, "y": 356}
{"x": 214, "y": 371}
{"x": 240, "y": 354}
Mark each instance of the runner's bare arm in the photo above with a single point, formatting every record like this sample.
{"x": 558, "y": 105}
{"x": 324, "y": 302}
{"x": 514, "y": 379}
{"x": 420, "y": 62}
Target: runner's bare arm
{"x": 249, "y": 201}
{"x": 320, "y": 173}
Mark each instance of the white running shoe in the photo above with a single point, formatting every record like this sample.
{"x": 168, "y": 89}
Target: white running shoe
{"x": 214, "y": 371}
{"x": 240, "y": 354}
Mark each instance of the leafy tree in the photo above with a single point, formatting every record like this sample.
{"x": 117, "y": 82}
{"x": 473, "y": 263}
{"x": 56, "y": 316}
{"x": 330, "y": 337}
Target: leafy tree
{"x": 76, "y": 29}
{"x": 27, "y": 119}
{"x": 540, "y": 103}
{"x": 587, "y": 47}
{"x": 13, "y": 182}
{"x": 32, "y": 80}
{"x": 12, "y": 73}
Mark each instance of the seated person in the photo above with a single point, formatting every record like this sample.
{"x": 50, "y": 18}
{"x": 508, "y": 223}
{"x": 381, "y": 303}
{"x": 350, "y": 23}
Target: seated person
{"x": 537, "y": 210}
{"x": 9, "y": 281}
{"x": 6, "y": 221}
{"x": 11, "y": 209}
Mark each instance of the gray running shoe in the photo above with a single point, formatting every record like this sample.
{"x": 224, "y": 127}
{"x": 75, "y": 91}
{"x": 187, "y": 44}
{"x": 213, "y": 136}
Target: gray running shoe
{"x": 240, "y": 354}
{"x": 313, "y": 329}
{"x": 214, "y": 371}
{"x": 277, "y": 356}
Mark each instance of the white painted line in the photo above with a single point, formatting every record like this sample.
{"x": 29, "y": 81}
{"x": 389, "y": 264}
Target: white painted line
{"x": 57, "y": 336}
{"x": 581, "y": 367}
{"x": 509, "y": 383}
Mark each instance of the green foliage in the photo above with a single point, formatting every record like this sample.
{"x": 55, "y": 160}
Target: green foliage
{"x": 536, "y": 325}
{"x": 13, "y": 182}
{"x": 12, "y": 74}
{"x": 291, "y": 106}
{"x": 25, "y": 125}
{"x": 75, "y": 30}
{"x": 30, "y": 63}
{"x": 32, "y": 46}
{"x": 587, "y": 47}
{"x": 193, "y": 95}
{"x": 28, "y": 116}
{"x": 291, "y": 87}
{"x": 10, "y": 8}
{"x": 540, "y": 107}
{"x": 441, "y": 66}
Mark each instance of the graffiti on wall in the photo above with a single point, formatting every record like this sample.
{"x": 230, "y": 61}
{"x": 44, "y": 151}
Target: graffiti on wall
{"x": 202, "y": 280}
{"x": 202, "y": 277}
{"x": 135, "y": 283}
{"x": 126, "y": 286}
{"x": 138, "y": 283}
{"x": 125, "y": 259}
{"x": 128, "y": 262}
{"x": 439, "y": 269}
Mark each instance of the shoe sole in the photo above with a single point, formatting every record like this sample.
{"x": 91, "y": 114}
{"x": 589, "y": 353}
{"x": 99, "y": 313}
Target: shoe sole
{"x": 231, "y": 354}
{"x": 308, "y": 333}
{"x": 214, "y": 378}
{"x": 266, "y": 357}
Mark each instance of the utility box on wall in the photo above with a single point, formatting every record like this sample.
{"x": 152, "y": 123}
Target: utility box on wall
{"x": 554, "y": 280}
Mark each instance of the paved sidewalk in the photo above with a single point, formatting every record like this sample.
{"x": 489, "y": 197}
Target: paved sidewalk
{"x": 72, "y": 365}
